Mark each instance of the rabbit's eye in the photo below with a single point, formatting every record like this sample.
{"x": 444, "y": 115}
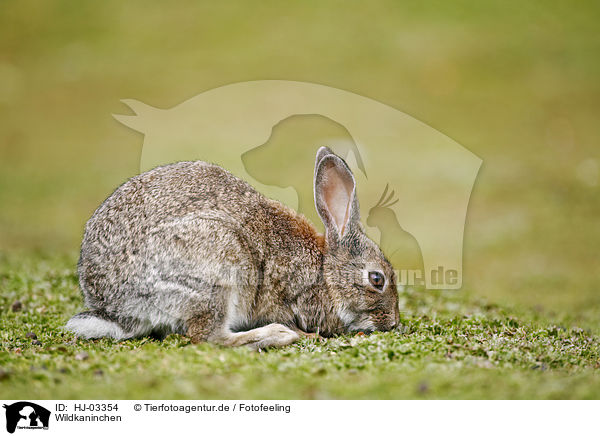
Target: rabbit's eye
{"x": 376, "y": 279}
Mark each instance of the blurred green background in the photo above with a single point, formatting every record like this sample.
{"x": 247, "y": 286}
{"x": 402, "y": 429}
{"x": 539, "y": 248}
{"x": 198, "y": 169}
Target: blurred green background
{"x": 516, "y": 83}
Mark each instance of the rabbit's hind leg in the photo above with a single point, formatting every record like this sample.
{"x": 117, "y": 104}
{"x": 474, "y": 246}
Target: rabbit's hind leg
{"x": 218, "y": 323}
{"x": 97, "y": 324}
{"x": 271, "y": 335}
{"x": 205, "y": 327}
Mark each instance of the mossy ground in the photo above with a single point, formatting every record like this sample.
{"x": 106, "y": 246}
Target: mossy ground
{"x": 449, "y": 346}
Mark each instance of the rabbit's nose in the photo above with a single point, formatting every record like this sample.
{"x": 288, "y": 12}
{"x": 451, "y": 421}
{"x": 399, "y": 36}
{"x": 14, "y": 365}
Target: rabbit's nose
{"x": 396, "y": 320}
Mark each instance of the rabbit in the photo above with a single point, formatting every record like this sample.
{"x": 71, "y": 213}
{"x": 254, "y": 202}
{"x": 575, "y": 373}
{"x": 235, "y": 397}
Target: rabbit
{"x": 189, "y": 248}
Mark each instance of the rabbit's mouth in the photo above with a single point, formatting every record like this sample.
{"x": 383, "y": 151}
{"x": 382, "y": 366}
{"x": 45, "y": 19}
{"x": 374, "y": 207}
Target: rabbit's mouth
{"x": 384, "y": 321}
{"x": 367, "y": 322}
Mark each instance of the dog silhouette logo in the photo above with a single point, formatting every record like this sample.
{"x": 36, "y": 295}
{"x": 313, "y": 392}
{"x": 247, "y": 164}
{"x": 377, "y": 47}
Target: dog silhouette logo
{"x": 267, "y": 131}
{"x": 26, "y": 415}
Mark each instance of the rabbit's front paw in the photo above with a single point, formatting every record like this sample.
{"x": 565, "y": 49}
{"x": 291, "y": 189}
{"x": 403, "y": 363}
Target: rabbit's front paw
{"x": 271, "y": 335}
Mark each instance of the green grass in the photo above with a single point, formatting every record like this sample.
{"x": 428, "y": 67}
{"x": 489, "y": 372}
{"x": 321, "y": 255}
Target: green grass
{"x": 449, "y": 346}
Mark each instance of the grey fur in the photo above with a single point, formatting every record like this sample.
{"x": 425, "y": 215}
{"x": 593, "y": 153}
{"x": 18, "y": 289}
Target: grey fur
{"x": 189, "y": 248}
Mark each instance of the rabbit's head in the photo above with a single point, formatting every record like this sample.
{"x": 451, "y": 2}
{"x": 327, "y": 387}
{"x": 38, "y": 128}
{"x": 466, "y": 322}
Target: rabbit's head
{"x": 357, "y": 274}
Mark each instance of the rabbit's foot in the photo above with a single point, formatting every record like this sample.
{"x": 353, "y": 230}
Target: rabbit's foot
{"x": 271, "y": 335}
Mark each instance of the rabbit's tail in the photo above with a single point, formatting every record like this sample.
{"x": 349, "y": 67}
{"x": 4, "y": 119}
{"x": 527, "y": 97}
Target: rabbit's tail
{"x": 96, "y": 324}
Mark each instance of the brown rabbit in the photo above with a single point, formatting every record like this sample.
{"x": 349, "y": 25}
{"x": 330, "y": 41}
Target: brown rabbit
{"x": 189, "y": 248}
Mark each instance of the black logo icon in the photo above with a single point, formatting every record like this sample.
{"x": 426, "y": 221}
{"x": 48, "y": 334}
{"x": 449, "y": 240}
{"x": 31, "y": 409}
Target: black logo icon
{"x": 26, "y": 415}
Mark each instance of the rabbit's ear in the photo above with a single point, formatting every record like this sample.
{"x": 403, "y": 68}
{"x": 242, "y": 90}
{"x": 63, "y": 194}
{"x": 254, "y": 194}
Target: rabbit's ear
{"x": 335, "y": 196}
{"x": 321, "y": 153}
